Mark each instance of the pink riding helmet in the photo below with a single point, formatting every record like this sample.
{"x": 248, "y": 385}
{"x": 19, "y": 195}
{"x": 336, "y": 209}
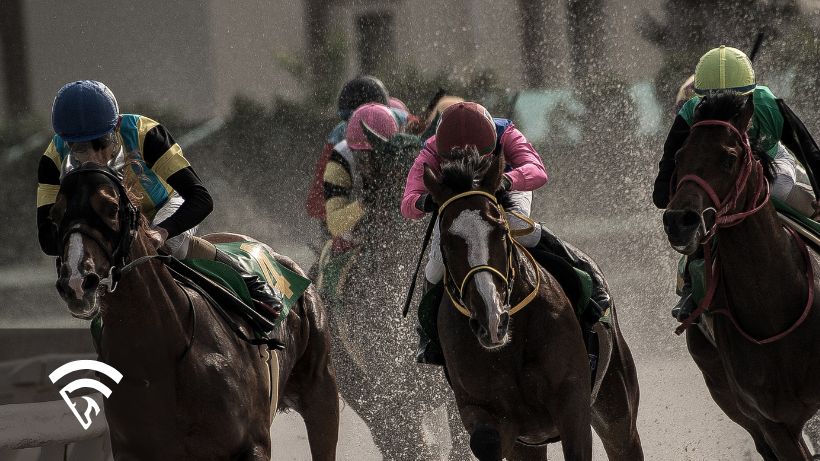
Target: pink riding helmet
{"x": 378, "y": 117}
{"x": 397, "y": 103}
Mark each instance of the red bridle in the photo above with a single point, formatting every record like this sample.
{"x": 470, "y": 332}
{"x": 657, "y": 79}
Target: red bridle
{"x": 727, "y": 216}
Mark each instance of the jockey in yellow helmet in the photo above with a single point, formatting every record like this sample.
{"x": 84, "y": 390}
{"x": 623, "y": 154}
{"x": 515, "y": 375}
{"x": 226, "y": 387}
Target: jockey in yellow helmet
{"x": 774, "y": 128}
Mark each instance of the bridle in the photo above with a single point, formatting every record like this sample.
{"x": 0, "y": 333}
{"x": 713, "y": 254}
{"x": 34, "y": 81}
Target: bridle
{"x": 127, "y": 215}
{"x": 723, "y": 209}
{"x": 455, "y": 291}
{"x": 725, "y": 216}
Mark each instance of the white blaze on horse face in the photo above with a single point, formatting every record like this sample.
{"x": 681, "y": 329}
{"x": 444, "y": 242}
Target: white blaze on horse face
{"x": 476, "y": 233}
{"x": 75, "y": 258}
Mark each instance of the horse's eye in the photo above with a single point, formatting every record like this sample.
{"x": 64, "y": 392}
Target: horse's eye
{"x": 111, "y": 210}
{"x": 728, "y": 162}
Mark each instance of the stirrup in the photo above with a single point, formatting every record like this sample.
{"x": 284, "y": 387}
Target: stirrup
{"x": 684, "y": 308}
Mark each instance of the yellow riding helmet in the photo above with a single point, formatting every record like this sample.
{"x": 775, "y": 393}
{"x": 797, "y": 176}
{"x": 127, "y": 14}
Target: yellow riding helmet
{"x": 724, "y": 68}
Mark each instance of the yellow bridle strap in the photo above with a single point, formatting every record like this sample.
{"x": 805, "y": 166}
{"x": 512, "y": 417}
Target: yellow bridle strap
{"x": 477, "y": 269}
{"x": 528, "y": 299}
{"x": 521, "y": 304}
{"x": 466, "y": 194}
{"x": 525, "y": 231}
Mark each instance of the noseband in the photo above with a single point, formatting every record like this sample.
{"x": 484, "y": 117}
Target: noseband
{"x": 725, "y": 216}
{"x": 456, "y": 291}
{"x": 127, "y": 215}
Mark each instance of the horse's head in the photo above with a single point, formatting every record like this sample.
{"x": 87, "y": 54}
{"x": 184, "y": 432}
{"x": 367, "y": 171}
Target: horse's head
{"x": 713, "y": 168}
{"x": 97, "y": 223}
{"x": 475, "y": 241}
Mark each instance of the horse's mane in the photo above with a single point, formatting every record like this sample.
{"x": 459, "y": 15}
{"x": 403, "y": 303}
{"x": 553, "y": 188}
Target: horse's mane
{"x": 463, "y": 167}
{"x": 726, "y": 105}
{"x": 134, "y": 192}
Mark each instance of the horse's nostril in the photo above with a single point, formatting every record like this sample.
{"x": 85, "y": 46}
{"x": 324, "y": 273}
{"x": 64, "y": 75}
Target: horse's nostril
{"x": 690, "y": 219}
{"x": 91, "y": 282}
{"x": 504, "y": 321}
{"x": 680, "y": 219}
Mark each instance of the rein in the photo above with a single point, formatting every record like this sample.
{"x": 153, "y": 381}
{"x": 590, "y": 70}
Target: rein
{"x": 508, "y": 276}
{"x": 127, "y": 215}
{"x": 725, "y": 216}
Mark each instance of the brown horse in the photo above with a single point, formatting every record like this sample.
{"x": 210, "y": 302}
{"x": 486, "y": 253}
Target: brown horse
{"x": 191, "y": 388}
{"x": 760, "y": 355}
{"x": 520, "y": 381}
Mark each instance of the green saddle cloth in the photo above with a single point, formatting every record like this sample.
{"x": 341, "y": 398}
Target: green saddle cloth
{"x": 255, "y": 258}
{"x": 696, "y": 266}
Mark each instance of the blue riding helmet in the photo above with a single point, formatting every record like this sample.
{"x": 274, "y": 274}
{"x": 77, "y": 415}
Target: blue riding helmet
{"x": 84, "y": 110}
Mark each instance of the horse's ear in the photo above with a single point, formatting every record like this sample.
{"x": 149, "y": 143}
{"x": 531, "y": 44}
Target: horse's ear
{"x": 375, "y": 139}
{"x": 492, "y": 177}
{"x": 746, "y": 113}
{"x": 433, "y": 184}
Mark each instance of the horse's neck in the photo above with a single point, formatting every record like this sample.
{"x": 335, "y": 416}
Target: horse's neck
{"x": 760, "y": 262}
{"x": 526, "y": 272}
{"x": 148, "y": 310}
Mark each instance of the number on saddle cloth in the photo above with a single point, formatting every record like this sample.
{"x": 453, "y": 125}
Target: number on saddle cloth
{"x": 256, "y": 259}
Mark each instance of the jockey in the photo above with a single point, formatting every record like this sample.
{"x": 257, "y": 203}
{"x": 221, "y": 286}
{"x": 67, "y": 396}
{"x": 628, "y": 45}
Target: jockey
{"x": 468, "y": 123}
{"x": 773, "y": 126}
{"x": 89, "y": 128}
{"x": 343, "y": 181}
{"x": 354, "y": 93}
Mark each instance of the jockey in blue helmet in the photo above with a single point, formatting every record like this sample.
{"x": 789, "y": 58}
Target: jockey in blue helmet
{"x": 89, "y": 128}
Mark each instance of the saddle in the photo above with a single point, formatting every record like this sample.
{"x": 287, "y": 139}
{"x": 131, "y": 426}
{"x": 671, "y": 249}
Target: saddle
{"x": 227, "y": 292}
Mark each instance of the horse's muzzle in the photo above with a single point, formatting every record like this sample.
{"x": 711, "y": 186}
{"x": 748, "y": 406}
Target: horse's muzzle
{"x": 80, "y": 294}
{"x": 495, "y": 334}
{"x": 684, "y": 229}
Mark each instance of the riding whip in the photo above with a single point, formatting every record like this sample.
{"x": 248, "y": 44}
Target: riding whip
{"x": 413, "y": 280}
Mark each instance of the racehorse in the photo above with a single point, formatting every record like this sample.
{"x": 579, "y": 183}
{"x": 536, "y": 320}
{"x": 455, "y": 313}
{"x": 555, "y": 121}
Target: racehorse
{"x": 192, "y": 389}
{"x": 373, "y": 348}
{"x": 757, "y": 346}
{"x": 522, "y": 380}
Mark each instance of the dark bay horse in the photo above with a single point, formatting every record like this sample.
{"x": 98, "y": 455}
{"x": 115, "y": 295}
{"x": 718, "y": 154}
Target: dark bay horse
{"x": 758, "y": 347}
{"x": 520, "y": 380}
{"x": 191, "y": 388}
{"x": 373, "y": 347}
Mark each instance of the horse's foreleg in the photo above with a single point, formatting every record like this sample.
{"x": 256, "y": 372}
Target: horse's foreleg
{"x": 706, "y": 357}
{"x": 787, "y": 443}
{"x": 320, "y": 411}
{"x": 615, "y": 412}
{"x": 491, "y": 437}
{"x": 570, "y": 409}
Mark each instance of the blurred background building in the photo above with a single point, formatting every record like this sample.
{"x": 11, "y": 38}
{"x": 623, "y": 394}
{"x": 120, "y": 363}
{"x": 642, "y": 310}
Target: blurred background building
{"x": 195, "y": 56}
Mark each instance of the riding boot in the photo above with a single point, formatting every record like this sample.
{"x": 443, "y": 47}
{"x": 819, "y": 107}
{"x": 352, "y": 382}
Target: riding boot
{"x": 429, "y": 351}
{"x": 686, "y": 304}
{"x": 549, "y": 242}
{"x": 265, "y": 298}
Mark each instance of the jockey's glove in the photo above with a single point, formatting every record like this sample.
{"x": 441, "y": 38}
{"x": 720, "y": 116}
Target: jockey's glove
{"x": 504, "y": 199}
{"x": 506, "y": 182}
{"x": 426, "y": 203}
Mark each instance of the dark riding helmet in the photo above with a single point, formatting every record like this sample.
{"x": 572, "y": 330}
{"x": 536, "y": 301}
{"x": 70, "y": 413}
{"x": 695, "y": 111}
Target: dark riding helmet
{"x": 464, "y": 124}
{"x": 84, "y": 110}
{"x": 361, "y": 90}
